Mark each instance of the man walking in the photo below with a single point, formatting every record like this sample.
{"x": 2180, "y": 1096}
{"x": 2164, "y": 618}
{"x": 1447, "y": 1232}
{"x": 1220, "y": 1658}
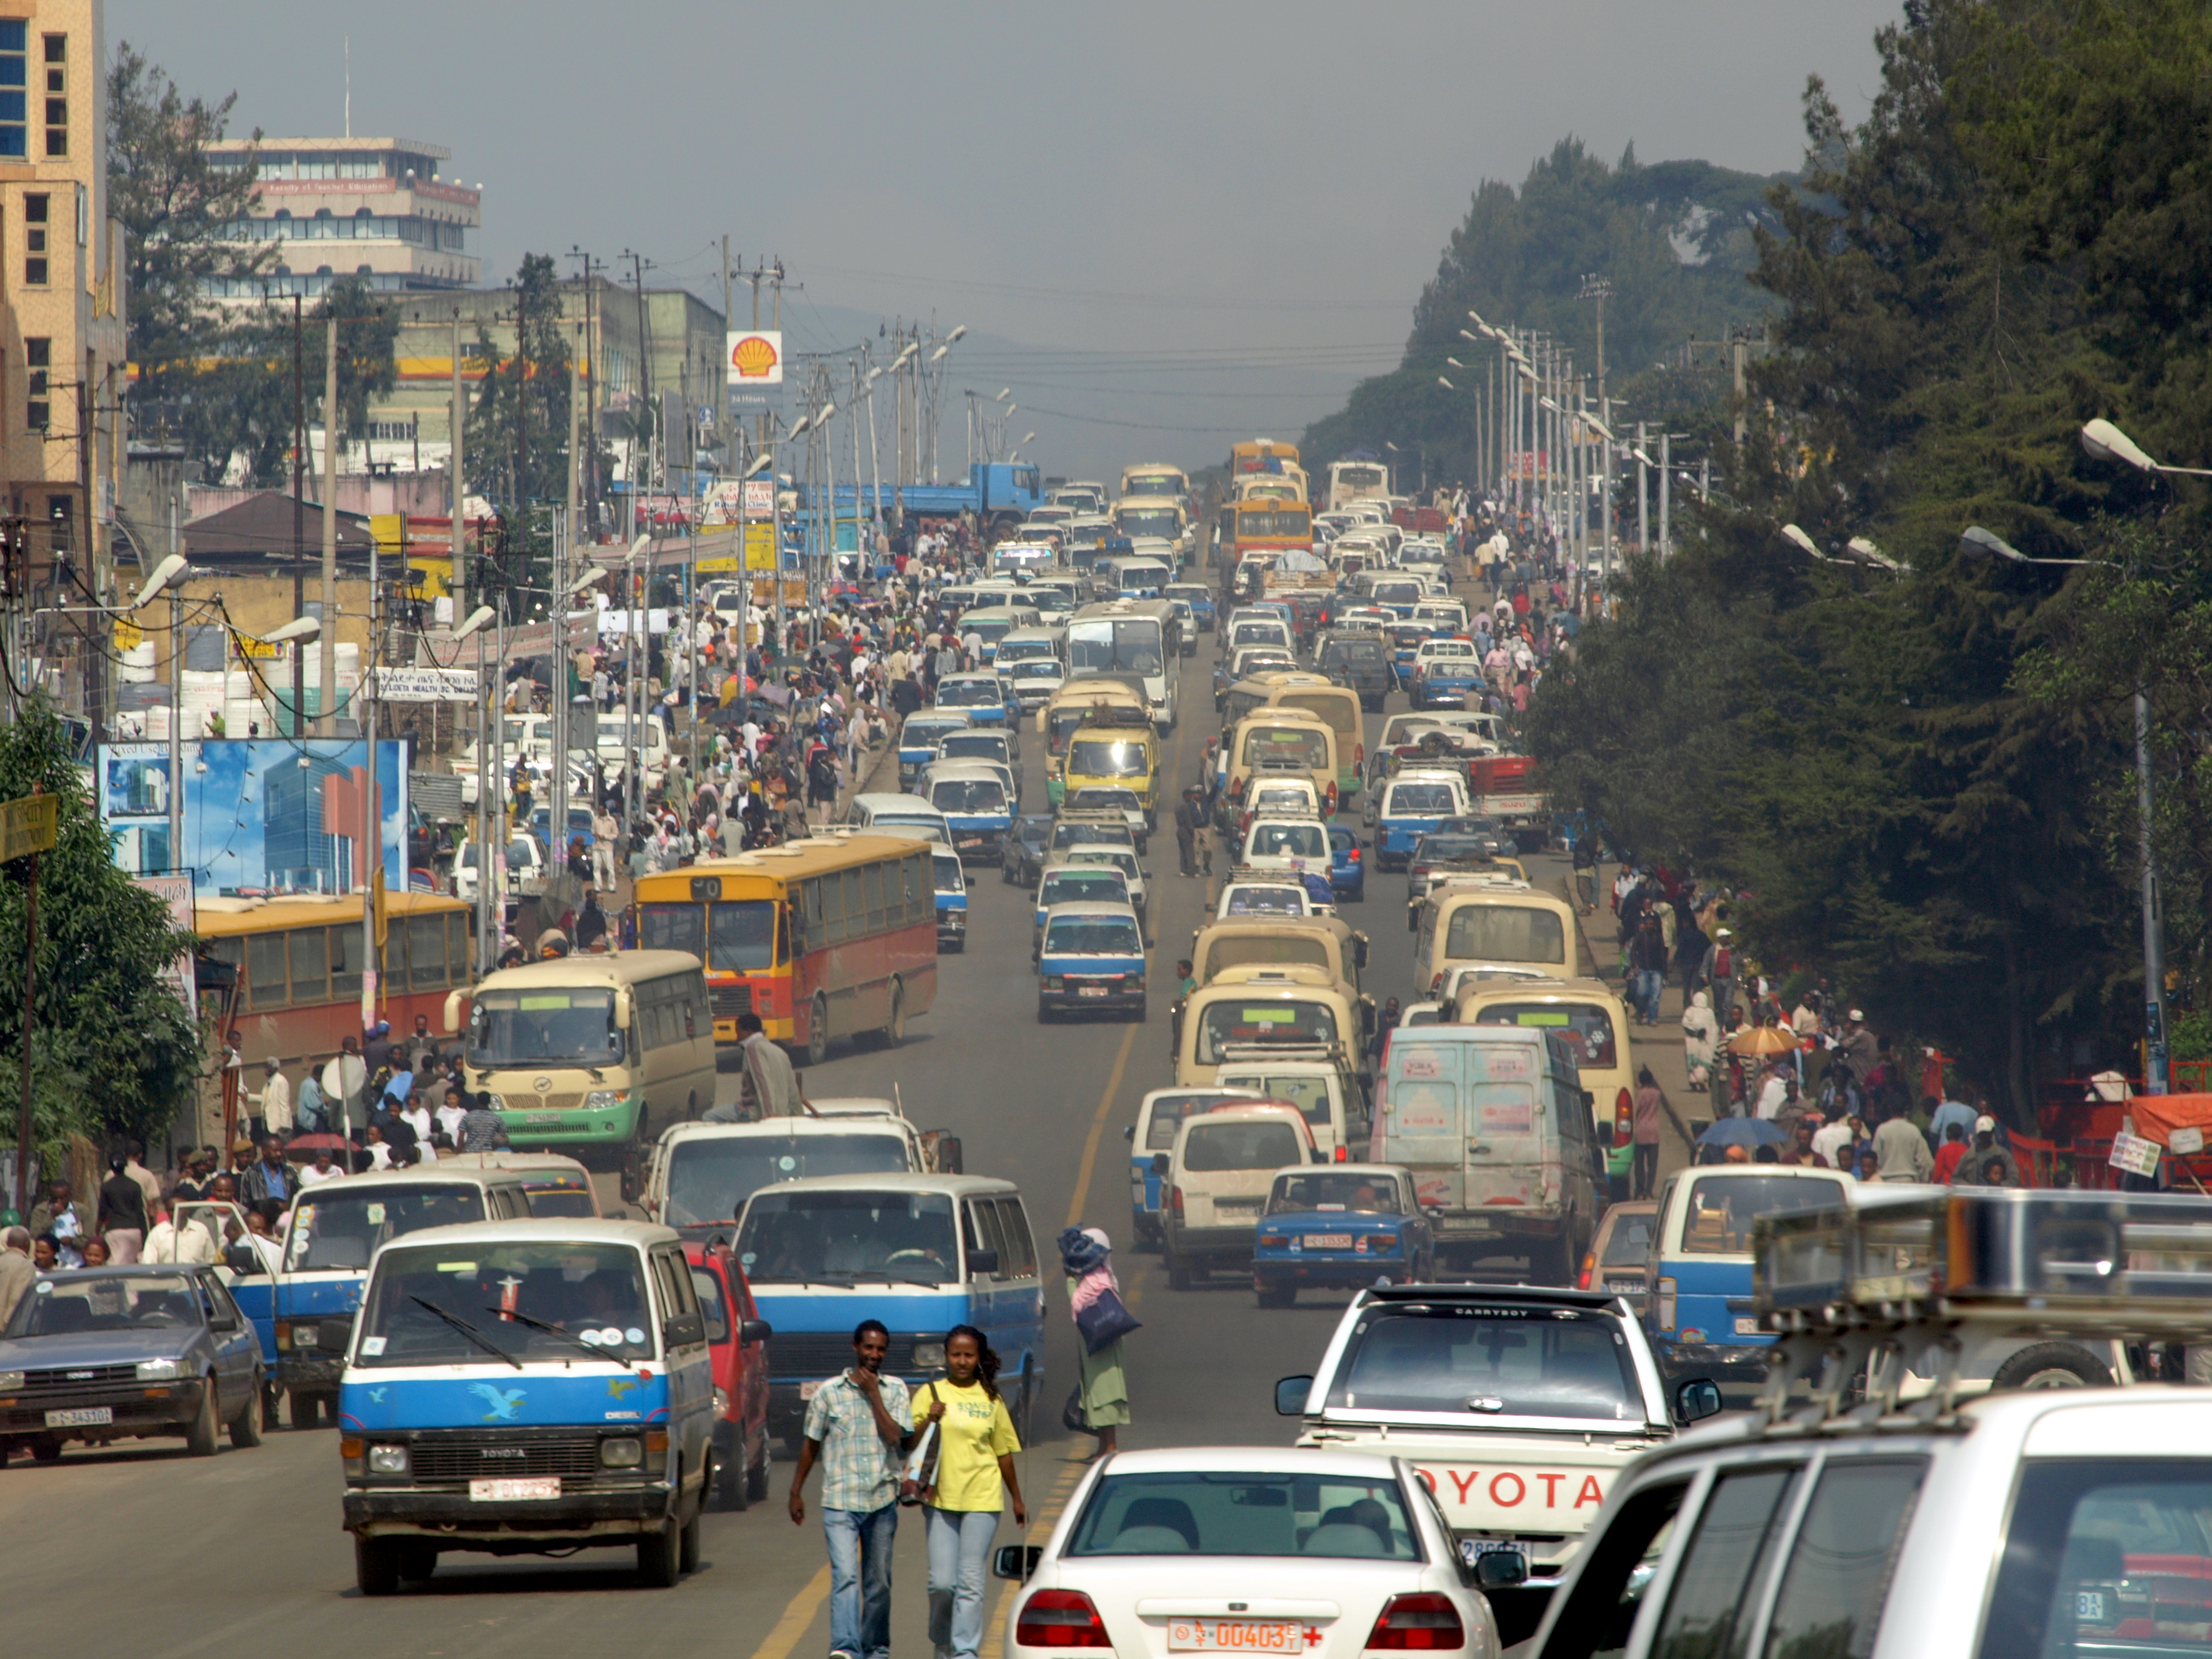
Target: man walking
{"x": 857, "y": 1424}
{"x": 1190, "y": 824}
{"x": 767, "y": 1086}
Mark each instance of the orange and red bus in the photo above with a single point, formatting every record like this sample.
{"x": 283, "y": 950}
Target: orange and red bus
{"x": 835, "y": 934}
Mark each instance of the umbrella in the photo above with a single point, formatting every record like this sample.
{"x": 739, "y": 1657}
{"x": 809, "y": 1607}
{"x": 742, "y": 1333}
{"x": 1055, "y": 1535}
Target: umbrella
{"x": 1762, "y": 1039}
{"x": 1742, "y": 1132}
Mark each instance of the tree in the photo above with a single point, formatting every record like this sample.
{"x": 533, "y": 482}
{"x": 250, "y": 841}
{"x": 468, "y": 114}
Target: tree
{"x": 239, "y": 404}
{"x": 114, "y": 1050}
{"x": 176, "y": 207}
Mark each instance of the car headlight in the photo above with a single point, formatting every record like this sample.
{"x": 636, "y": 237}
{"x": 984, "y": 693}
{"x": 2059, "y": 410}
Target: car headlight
{"x": 622, "y": 1454}
{"x": 151, "y": 1371}
{"x": 497, "y": 1103}
{"x": 601, "y": 1100}
{"x": 11, "y": 1379}
{"x": 929, "y": 1354}
{"x": 387, "y": 1460}
{"x": 1052, "y": 983}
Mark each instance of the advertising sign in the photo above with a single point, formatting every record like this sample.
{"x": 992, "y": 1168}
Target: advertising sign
{"x": 176, "y": 892}
{"x": 426, "y": 684}
{"x": 752, "y": 361}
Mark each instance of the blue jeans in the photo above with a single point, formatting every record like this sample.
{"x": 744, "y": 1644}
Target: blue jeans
{"x": 1648, "y": 981}
{"x": 959, "y": 1556}
{"x": 861, "y": 1579}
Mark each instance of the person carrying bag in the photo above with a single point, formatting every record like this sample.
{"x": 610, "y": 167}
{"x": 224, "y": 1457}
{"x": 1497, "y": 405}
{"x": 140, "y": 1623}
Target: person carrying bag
{"x": 1100, "y": 1403}
{"x": 972, "y": 1483}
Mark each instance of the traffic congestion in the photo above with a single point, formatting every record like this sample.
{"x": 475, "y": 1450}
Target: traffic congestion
{"x": 1215, "y": 1265}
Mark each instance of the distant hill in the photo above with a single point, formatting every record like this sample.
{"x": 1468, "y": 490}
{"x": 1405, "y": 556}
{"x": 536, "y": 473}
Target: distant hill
{"x": 1674, "y": 239}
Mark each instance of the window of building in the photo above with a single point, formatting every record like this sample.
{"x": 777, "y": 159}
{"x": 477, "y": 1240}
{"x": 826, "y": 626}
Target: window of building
{"x": 38, "y": 359}
{"x": 57, "y": 99}
{"x": 15, "y": 141}
{"x": 34, "y": 239}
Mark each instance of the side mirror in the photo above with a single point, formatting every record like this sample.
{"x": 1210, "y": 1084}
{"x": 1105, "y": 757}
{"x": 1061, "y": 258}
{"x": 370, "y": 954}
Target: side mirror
{"x": 1290, "y": 1396}
{"x": 1016, "y": 1561}
{"x": 754, "y": 1330}
{"x": 1500, "y": 1570}
{"x": 1129, "y": 1132}
{"x": 1697, "y": 1400}
{"x": 983, "y": 1261}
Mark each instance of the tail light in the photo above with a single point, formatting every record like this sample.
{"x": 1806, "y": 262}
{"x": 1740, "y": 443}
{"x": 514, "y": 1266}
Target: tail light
{"x": 1332, "y": 800}
{"x": 1666, "y": 1304}
{"x": 1351, "y": 855}
{"x": 1359, "y": 756}
{"x": 1425, "y": 1620}
{"x": 1060, "y": 1618}
{"x": 1623, "y": 1118}
{"x": 1343, "y": 1155}
{"x": 1175, "y": 1200}
{"x": 1589, "y": 1267}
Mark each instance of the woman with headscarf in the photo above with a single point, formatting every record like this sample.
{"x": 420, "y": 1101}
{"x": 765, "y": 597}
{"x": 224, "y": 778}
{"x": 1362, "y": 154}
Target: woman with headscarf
{"x": 1699, "y": 1032}
{"x": 1086, "y": 1254}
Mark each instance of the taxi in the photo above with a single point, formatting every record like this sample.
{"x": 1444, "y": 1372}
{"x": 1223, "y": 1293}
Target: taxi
{"x": 983, "y": 697}
{"x": 1411, "y": 805}
{"x": 1090, "y": 959}
{"x": 1445, "y": 674}
{"x": 919, "y": 737}
{"x": 1260, "y": 1003}
{"x": 1151, "y": 1138}
{"x": 1115, "y": 748}
{"x": 1074, "y": 884}
{"x": 1343, "y": 1226}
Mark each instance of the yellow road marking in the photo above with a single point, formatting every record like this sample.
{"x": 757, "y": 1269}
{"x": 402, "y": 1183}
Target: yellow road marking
{"x": 797, "y": 1619}
{"x": 1085, "y": 1169}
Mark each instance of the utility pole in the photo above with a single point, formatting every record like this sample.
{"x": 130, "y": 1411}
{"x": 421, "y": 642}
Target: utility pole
{"x": 372, "y": 814}
{"x": 1739, "y": 347}
{"x": 329, "y": 632}
{"x": 298, "y": 517}
{"x": 1643, "y": 483}
{"x": 729, "y": 443}
{"x": 1666, "y": 484}
{"x": 458, "y": 490}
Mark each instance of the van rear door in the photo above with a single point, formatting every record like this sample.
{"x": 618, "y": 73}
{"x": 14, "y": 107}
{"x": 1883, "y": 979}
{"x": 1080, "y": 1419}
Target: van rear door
{"x": 1509, "y": 1126}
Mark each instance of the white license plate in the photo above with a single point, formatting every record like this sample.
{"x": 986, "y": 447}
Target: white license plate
{"x": 81, "y": 1417}
{"x": 2089, "y": 1607}
{"x": 1328, "y": 1241}
{"x": 1090, "y": 990}
{"x": 1624, "y": 1286}
{"x": 1235, "y": 1636}
{"x": 1747, "y": 1326}
{"x": 971, "y": 841}
{"x": 508, "y": 1492}
{"x": 542, "y": 1117}
{"x": 1240, "y": 1207}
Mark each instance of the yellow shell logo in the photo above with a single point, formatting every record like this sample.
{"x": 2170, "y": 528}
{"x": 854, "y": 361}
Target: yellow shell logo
{"x": 753, "y": 358}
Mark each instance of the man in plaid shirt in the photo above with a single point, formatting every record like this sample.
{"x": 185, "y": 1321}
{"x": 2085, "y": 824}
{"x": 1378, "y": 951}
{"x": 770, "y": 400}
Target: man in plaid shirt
{"x": 857, "y": 1426}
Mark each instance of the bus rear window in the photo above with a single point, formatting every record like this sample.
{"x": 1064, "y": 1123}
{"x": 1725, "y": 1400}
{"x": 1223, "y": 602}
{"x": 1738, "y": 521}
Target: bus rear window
{"x": 1504, "y": 933}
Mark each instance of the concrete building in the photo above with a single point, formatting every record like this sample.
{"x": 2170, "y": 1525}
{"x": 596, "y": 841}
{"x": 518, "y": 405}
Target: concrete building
{"x": 61, "y": 331}
{"x": 382, "y": 209}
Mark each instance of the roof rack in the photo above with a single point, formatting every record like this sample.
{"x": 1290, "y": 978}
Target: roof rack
{"x": 1885, "y": 1284}
{"x": 1116, "y": 713}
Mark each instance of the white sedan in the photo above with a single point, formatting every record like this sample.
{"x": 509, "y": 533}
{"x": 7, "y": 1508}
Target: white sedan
{"x": 1252, "y": 1550}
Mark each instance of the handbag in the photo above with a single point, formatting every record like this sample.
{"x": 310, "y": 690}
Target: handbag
{"x": 920, "y": 1472}
{"x": 1105, "y": 1320}
{"x": 1072, "y": 1416}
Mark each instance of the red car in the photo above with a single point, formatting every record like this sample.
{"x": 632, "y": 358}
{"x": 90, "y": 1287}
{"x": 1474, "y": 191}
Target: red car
{"x": 737, "y": 1340}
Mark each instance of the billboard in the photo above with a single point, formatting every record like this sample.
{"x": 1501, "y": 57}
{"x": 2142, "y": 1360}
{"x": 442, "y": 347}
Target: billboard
{"x": 261, "y": 815}
{"x": 752, "y": 362}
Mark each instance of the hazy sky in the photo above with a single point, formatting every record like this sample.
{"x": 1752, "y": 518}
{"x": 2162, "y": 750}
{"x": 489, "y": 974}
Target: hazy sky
{"x": 1200, "y": 219}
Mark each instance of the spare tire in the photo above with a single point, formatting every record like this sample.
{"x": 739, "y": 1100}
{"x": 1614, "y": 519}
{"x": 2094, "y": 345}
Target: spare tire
{"x": 2052, "y": 1365}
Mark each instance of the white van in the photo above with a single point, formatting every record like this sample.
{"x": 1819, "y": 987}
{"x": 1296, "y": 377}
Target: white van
{"x": 1320, "y": 1082}
{"x": 702, "y": 1173}
{"x": 1222, "y": 1162}
{"x": 886, "y": 812}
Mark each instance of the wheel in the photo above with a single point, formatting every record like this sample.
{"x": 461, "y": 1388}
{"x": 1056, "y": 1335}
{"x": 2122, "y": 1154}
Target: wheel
{"x": 1273, "y": 1296}
{"x": 817, "y": 1038}
{"x": 1179, "y": 1275}
{"x": 46, "y": 1450}
{"x": 375, "y": 1565}
{"x": 729, "y": 1490}
{"x": 691, "y": 1107}
{"x": 687, "y": 1547}
{"x": 416, "y": 1562}
{"x": 660, "y": 1556}
{"x": 246, "y": 1427}
{"x": 2052, "y": 1366}
{"x": 200, "y": 1433}
{"x": 756, "y": 1480}
{"x": 893, "y": 1031}
{"x": 1026, "y": 1411}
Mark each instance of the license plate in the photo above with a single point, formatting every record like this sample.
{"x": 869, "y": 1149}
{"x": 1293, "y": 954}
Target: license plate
{"x": 2089, "y": 1607}
{"x": 1747, "y": 1326}
{"x": 1235, "y": 1636}
{"x": 542, "y": 1117}
{"x": 81, "y": 1417}
{"x": 971, "y": 841}
{"x": 508, "y": 1492}
{"x": 1237, "y": 1206}
{"x": 1624, "y": 1286}
{"x": 1328, "y": 1241}
{"x": 1090, "y": 990}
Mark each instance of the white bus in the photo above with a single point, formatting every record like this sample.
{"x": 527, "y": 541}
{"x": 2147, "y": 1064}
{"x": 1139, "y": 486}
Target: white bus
{"x": 1140, "y": 637}
{"x": 1153, "y": 478}
{"x": 1357, "y": 481}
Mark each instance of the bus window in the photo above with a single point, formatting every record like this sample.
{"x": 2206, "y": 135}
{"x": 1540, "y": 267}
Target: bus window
{"x": 743, "y": 935}
{"x": 673, "y": 928}
{"x": 426, "y": 952}
{"x": 311, "y": 964}
{"x": 345, "y": 963}
{"x": 264, "y": 972}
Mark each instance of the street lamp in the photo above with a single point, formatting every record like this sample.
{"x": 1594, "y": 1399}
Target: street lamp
{"x": 1978, "y": 543}
{"x": 1445, "y": 384}
{"x": 299, "y": 627}
{"x": 2105, "y": 442}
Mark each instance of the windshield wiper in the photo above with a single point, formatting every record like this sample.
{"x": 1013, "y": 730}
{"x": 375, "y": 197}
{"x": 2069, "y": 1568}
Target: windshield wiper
{"x": 469, "y": 1331}
{"x": 592, "y": 1349}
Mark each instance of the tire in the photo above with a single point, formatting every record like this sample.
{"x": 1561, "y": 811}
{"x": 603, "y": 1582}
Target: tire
{"x": 893, "y": 1031}
{"x": 1025, "y": 1413}
{"x": 302, "y": 1408}
{"x": 817, "y": 1045}
{"x": 47, "y": 1450}
{"x": 687, "y": 1547}
{"x": 730, "y": 1490}
{"x": 1179, "y": 1273}
{"x": 756, "y": 1478}
{"x": 1273, "y": 1296}
{"x": 691, "y": 1107}
{"x": 417, "y": 1562}
{"x": 201, "y": 1432}
{"x": 2052, "y": 1366}
{"x": 375, "y": 1565}
{"x": 1551, "y": 1262}
{"x": 660, "y": 1556}
{"x": 246, "y": 1427}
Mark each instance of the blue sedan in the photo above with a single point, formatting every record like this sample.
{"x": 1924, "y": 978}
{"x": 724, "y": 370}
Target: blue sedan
{"x": 1342, "y": 1226}
{"x": 1347, "y": 871}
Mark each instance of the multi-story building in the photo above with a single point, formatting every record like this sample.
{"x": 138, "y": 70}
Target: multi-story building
{"x": 382, "y": 209}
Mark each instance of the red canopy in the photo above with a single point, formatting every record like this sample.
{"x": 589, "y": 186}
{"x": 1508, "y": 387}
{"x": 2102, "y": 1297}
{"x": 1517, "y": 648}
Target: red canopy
{"x": 2156, "y": 1116}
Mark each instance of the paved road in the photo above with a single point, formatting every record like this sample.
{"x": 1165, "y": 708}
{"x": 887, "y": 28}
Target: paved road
{"x": 245, "y": 1548}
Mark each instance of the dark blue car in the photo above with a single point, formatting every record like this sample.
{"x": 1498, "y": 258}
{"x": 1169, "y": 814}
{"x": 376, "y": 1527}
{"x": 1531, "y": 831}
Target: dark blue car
{"x": 1347, "y": 869}
{"x": 1340, "y": 1226}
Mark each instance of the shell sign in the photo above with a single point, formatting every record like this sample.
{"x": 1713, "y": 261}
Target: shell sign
{"x": 755, "y": 358}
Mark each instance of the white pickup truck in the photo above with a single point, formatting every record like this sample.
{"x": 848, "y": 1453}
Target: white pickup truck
{"x": 1519, "y": 1406}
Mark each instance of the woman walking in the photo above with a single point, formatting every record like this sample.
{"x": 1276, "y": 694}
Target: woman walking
{"x": 1087, "y": 1254}
{"x": 973, "y": 1481}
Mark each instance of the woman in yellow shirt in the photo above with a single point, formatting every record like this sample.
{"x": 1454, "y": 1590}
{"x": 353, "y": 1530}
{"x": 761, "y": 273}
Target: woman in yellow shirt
{"x": 974, "y": 1478}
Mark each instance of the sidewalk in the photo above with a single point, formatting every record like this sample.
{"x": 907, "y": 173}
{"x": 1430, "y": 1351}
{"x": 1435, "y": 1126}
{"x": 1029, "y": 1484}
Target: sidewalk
{"x": 1659, "y": 1047}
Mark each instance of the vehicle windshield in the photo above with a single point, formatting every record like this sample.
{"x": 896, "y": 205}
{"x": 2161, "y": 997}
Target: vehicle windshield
{"x": 1328, "y": 1517}
{"x": 1724, "y": 1204}
{"x": 1084, "y": 832}
{"x": 1630, "y": 1241}
{"x": 1361, "y": 651}
{"x": 967, "y": 795}
{"x": 1327, "y": 1192}
{"x": 1121, "y": 858}
{"x": 970, "y": 693}
{"x": 560, "y": 1200}
{"x": 1245, "y": 901}
{"x": 1435, "y": 849}
{"x": 1283, "y": 797}
{"x": 1101, "y": 799}
{"x": 334, "y": 1229}
{"x": 1420, "y": 799}
{"x": 1591, "y": 1026}
{"x": 1236, "y": 1020}
{"x": 594, "y": 1293}
{"x": 543, "y": 1026}
{"x": 1169, "y": 1111}
{"x": 1285, "y": 746}
{"x": 109, "y": 1302}
{"x": 1195, "y": 594}
{"x": 1306, "y": 1090}
{"x": 737, "y": 937}
{"x": 710, "y": 1177}
{"x": 1509, "y": 1360}
{"x": 1503, "y": 932}
{"x": 925, "y": 734}
{"x": 1436, "y": 648}
{"x": 1040, "y": 668}
{"x": 1283, "y": 523}
{"x": 1278, "y": 840}
{"x": 947, "y": 871}
{"x": 1131, "y": 645}
{"x": 1092, "y": 936}
{"x": 1103, "y": 757}
{"x": 1258, "y": 631}
{"x": 974, "y": 746}
{"x": 842, "y": 1237}
{"x": 990, "y": 630}
{"x": 1095, "y": 885}
{"x": 1150, "y": 521}
{"x": 1217, "y": 1146}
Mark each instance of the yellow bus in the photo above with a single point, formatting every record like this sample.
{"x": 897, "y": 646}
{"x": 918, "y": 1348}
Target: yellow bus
{"x": 1153, "y": 478}
{"x": 1262, "y": 525}
{"x": 1261, "y": 455}
{"x": 833, "y": 934}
